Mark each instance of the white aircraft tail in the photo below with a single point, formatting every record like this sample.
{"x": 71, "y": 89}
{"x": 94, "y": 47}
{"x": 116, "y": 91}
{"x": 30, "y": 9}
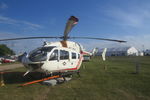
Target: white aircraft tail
{"x": 104, "y": 54}
{"x": 94, "y": 51}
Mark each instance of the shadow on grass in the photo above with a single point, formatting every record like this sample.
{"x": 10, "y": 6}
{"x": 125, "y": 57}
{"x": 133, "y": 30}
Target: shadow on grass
{"x": 17, "y": 77}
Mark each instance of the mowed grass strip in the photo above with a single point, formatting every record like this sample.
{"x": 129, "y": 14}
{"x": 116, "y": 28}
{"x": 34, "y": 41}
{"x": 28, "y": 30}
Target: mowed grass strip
{"x": 116, "y": 81}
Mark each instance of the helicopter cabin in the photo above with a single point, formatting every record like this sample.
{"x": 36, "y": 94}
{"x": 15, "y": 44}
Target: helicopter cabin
{"x": 52, "y": 59}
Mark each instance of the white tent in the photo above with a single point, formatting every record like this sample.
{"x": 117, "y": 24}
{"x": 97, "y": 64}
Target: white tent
{"x": 132, "y": 51}
{"x": 122, "y": 51}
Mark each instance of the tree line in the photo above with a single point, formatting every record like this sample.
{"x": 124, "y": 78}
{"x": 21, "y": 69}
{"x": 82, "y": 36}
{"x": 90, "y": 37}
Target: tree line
{"x": 5, "y": 51}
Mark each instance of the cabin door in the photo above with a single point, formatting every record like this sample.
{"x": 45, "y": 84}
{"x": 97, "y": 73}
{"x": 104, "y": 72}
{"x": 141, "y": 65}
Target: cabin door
{"x": 53, "y": 62}
{"x": 64, "y": 61}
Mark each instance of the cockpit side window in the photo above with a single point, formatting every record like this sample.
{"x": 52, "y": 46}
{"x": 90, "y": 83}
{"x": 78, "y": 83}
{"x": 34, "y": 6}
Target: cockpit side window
{"x": 78, "y": 56}
{"x": 54, "y": 55}
{"x": 64, "y": 55}
{"x": 39, "y": 54}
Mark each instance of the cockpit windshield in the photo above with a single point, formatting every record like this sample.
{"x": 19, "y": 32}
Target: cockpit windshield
{"x": 39, "y": 54}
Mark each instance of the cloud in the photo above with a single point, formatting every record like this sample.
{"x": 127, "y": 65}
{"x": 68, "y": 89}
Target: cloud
{"x": 131, "y": 16}
{"x": 31, "y": 24}
{"x": 129, "y": 19}
{"x": 102, "y": 44}
{"x": 140, "y": 42}
{"x": 9, "y": 35}
{"x": 7, "y": 20}
{"x": 132, "y": 23}
{"x": 20, "y": 45}
{"x": 3, "y": 5}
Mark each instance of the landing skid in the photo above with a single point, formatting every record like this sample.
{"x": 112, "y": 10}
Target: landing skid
{"x": 37, "y": 81}
{"x": 55, "y": 78}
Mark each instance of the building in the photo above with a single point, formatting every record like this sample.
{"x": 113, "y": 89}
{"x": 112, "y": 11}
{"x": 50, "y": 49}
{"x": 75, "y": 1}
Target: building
{"x": 132, "y": 51}
{"x": 141, "y": 53}
{"x": 122, "y": 51}
{"x": 147, "y": 53}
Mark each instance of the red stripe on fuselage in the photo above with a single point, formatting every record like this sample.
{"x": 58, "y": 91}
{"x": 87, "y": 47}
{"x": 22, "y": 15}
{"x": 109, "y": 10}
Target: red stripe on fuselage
{"x": 84, "y": 53}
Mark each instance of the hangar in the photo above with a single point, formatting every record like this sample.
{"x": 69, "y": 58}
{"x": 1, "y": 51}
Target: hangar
{"x": 121, "y": 51}
{"x": 147, "y": 53}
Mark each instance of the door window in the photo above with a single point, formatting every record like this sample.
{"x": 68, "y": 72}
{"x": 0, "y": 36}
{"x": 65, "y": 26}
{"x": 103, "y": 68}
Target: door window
{"x": 64, "y": 55}
{"x": 78, "y": 56}
{"x": 73, "y": 55}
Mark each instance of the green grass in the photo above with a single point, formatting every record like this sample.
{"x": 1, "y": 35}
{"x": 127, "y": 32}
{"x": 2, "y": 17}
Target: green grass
{"x": 118, "y": 82}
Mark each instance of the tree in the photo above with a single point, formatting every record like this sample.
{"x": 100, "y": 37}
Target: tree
{"x": 5, "y": 51}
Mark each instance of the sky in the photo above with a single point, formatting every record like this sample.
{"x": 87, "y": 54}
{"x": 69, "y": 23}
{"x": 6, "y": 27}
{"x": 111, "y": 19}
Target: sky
{"x": 116, "y": 19}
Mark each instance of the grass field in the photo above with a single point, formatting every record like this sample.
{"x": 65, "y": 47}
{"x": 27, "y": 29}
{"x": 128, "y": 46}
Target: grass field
{"x": 117, "y": 82}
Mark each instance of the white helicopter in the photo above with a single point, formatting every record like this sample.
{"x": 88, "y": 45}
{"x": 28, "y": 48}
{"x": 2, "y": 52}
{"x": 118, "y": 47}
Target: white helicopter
{"x": 63, "y": 56}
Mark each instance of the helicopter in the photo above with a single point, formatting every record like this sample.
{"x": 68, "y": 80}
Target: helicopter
{"x": 57, "y": 57}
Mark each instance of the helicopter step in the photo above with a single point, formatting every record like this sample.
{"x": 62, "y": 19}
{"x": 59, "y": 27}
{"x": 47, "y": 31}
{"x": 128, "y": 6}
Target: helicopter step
{"x": 56, "y": 81}
{"x": 65, "y": 77}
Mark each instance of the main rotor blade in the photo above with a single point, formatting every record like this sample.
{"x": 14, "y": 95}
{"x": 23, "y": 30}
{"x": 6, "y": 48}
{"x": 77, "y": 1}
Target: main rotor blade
{"x": 97, "y": 39}
{"x": 72, "y": 21}
{"x": 25, "y": 38}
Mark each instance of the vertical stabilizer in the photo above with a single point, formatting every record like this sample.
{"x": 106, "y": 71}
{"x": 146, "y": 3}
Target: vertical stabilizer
{"x": 104, "y": 54}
